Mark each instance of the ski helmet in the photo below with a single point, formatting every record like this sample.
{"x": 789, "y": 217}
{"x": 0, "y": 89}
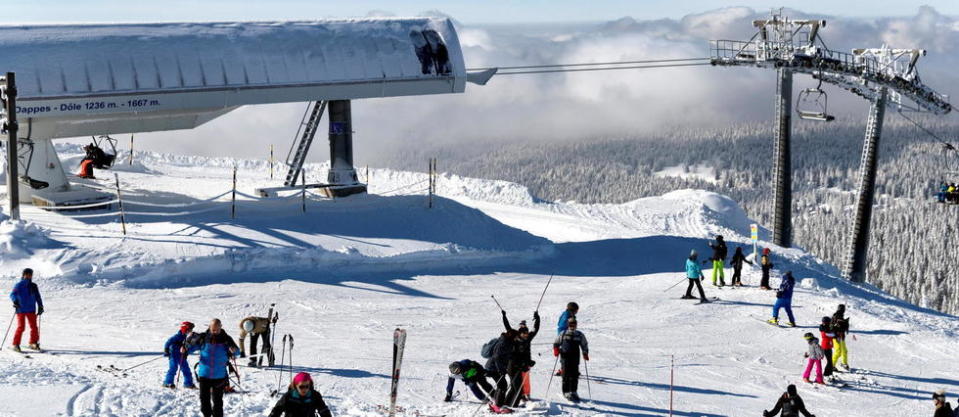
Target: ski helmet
{"x": 693, "y": 254}
{"x": 455, "y": 368}
{"x": 826, "y": 319}
{"x": 808, "y": 336}
{"x": 939, "y": 395}
{"x": 186, "y": 327}
{"x": 791, "y": 389}
{"x": 249, "y": 325}
{"x": 719, "y": 237}
{"x": 765, "y": 251}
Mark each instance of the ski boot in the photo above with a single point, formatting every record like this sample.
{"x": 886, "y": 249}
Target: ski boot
{"x": 773, "y": 321}
{"x": 16, "y": 348}
{"x": 190, "y": 386}
{"x": 499, "y": 410}
{"x": 252, "y": 363}
{"x": 170, "y": 386}
{"x": 575, "y": 397}
{"x": 687, "y": 297}
{"x": 806, "y": 380}
{"x": 35, "y": 346}
{"x": 792, "y": 324}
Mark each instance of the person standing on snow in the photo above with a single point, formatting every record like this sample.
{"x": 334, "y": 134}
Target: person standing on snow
{"x": 840, "y": 324}
{"x": 694, "y": 274}
{"x": 568, "y": 347}
{"x": 178, "y": 362}
{"x": 570, "y": 313}
{"x": 791, "y": 405}
{"x": 784, "y": 299}
{"x": 815, "y": 355}
{"x": 498, "y": 365}
{"x": 257, "y": 327}
{"x": 301, "y": 400}
{"x": 473, "y": 375}
{"x": 827, "y": 335}
{"x": 216, "y": 348}
{"x": 767, "y": 266}
{"x": 719, "y": 259}
{"x": 518, "y": 368}
{"x": 28, "y": 306}
{"x": 737, "y": 262}
{"x": 943, "y": 408}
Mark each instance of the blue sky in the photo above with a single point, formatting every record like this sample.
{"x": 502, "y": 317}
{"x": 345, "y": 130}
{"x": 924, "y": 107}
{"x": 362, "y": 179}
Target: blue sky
{"x": 487, "y": 11}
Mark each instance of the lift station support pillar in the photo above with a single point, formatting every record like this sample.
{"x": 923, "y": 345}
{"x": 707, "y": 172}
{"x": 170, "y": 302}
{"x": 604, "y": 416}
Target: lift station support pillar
{"x": 782, "y": 220}
{"x": 859, "y": 244}
{"x": 342, "y": 176}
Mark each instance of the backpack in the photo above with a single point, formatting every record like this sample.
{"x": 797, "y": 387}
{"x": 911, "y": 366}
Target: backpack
{"x": 489, "y": 348}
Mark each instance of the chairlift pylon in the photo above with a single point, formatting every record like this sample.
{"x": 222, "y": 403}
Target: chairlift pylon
{"x": 812, "y": 104}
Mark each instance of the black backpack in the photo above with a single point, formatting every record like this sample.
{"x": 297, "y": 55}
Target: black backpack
{"x": 489, "y": 348}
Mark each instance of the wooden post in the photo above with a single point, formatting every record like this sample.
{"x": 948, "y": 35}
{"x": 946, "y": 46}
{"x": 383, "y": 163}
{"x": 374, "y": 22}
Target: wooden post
{"x": 271, "y": 161}
{"x": 303, "y": 190}
{"x": 131, "y": 149}
{"x": 123, "y": 219}
{"x": 672, "y": 358}
{"x": 430, "y": 174}
{"x": 233, "y": 199}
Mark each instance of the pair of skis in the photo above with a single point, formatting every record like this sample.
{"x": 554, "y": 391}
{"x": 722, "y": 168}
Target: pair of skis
{"x": 287, "y": 338}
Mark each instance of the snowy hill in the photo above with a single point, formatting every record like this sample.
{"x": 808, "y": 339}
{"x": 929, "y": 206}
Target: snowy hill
{"x": 345, "y": 273}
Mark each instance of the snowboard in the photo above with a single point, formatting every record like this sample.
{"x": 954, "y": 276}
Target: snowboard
{"x": 399, "y": 343}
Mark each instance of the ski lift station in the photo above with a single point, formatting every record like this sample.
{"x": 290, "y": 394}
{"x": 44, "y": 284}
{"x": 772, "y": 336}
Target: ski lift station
{"x": 92, "y": 80}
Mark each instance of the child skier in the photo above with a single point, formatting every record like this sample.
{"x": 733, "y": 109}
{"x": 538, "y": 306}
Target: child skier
{"x": 473, "y": 375}
{"x": 827, "y": 335}
{"x": 28, "y": 306}
{"x": 719, "y": 259}
{"x": 840, "y": 324}
{"x": 301, "y": 400}
{"x": 737, "y": 262}
{"x": 790, "y": 403}
{"x": 766, "y": 265}
{"x": 567, "y": 347}
{"x": 178, "y": 362}
{"x": 694, "y": 274}
{"x": 815, "y": 355}
{"x": 784, "y": 299}
{"x": 570, "y": 313}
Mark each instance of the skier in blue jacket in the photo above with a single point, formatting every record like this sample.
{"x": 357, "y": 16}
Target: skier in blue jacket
{"x": 178, "y": 362}
{"x": 784, "y": 299}
{"x": 571, "y": 310}
{"x": 216, "y": 348}
{"x": 694, "y": 274}
{"x": 28, "y": 306}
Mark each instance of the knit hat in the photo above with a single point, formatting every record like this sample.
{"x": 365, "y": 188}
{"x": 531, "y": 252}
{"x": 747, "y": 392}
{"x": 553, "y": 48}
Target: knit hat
{"x": 791, "y": 389}
{"x": 693, "y": 254}
{"x": 301, "y": 378}
{"x": 940, "y": 395}
{"x": 765, "y": 251}
{"x": 826, "y": 319}
{"x": 455, "y": 368}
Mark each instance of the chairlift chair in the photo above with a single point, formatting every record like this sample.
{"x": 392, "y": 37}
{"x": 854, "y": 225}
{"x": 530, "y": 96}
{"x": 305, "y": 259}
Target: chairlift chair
{"x": 101, "y": 159}
{"x": 25, "y": 151}
{"x": 811, "y": 105}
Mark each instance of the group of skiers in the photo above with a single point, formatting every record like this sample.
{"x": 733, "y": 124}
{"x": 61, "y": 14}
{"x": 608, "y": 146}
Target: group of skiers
{"x": 694, "y": 272}
{"x": 509, "y": 360}
{"x": 948, "y": 193}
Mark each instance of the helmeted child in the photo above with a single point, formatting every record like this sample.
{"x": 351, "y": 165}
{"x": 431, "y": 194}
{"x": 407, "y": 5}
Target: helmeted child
{"x": 301, "y": 400}
{"x": 178, "y": 362}
{"x": 719, "y": 259}
{"x": 815, "y": 355}
{"x": 790, "y": 403}
{"x": 28, "y": 306}
{"x": 568, "y": 347}
{"x": 767, "y": 265}
{"x": 694, "y": 274}
{"x": 737, "y": 262}
{"x": 827, "y": 335}
{"x": 570, "y": 313}
{"x": 784, "y": 299}
{"x": 840, "y": 324}
{"x": 473, "y": 375}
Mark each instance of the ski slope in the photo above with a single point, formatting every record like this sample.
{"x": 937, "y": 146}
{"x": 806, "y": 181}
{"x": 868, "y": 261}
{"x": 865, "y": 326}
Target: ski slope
{"x": 345, "y": 273}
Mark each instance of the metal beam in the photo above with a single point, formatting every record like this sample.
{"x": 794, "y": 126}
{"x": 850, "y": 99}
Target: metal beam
{"x": 782, "y": 172}
{"x": 859, "y": 243}
{"x": 10, "y": 125}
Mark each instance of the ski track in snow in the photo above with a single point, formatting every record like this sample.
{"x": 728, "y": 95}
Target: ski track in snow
{"x": 348, "y": 272}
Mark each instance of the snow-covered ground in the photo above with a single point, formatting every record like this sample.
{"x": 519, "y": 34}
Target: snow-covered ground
{"x": 345, "y": 273}
{"x": 701, "y": 172}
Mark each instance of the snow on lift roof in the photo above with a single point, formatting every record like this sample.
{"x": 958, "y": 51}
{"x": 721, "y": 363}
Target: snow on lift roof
{"x": 116, "y": 78}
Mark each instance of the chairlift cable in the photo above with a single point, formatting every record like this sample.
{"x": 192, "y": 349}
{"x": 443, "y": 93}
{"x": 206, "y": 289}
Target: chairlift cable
{"x": 941, "y": 140}
{"x": 602, "y": 69}
{"x": 592, "y": 64}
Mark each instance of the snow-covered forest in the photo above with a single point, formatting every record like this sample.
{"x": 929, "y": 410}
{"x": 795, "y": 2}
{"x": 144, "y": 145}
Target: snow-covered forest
{"x": 912, "y": 236}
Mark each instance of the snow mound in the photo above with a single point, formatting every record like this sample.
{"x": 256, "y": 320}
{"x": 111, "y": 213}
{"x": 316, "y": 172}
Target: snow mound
{"x": 718, "y": 212}
{"x": 20, "y": 239}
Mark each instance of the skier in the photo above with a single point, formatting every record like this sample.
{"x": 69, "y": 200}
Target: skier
{"x": 178, "y": 362}
{"x": 784, "y": 299}
{"x": 719, "y": 258}
{"x": 766, "y": 265}
{"x": 28, "y": 306}
{"x": 500, "y": 353}
{"x": 943, "y": 408}
{"x": 827, "y": 335}
{"x": 567, "y": 347}
{"x": 695, "y": 275}
{"x": 522, "y": 361}
{"x": 302, "y": 400}
{"x": 570, "y": 313}
{"x": 815, "y": 355}
{"x": 737, "y": 262}
{"x": 840, "y": 325}
{"x": 216, "y": 348}
{"x": 257, "y": 327}
{"x": 473, "y": 375}
{"x": 791, "y": 405}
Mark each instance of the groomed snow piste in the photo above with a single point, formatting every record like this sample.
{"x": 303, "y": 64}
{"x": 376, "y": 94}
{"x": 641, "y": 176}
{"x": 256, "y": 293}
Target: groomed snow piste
{"x": 345, "y": 273}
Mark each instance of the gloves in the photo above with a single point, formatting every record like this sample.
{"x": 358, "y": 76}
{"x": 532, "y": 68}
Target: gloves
{"x": 40, "y": 311}
{"x": 166, "y": 352}
{"x": 555, "y": 350}
{"x": 16, "y": 306}
{"x": 536, "y": 315}
{"x": 766, "y": 413}
{"x": 449, "y": 397}
{"x": 586, "y": 356}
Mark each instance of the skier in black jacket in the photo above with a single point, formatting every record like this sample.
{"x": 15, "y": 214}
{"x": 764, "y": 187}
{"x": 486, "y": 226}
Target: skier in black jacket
{"x": 791, "y": 405}
{"x": 522, "y": 359}
{"x": 473, "y": 375}
{"x": 719, "y": 259}
{"x": 498, "y": 365}
{"x": 568, "y": 347}
{"x": 301, "y": 400}
{"x": 943, "y": 408}
{"x": 737, "y": 262}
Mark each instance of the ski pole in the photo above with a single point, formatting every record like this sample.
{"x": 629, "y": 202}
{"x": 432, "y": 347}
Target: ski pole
{"x": 551, "y": 375}
{"x": 4, "y": 343}
{"x": 141, "y": 364}
{"x": 544, "y": 292}
{"x": 589, "y": 388}
{"x": 489, "y": 396}
{"x": 674, "y": 285}
{"x": 236, "y": 371}
{"x": 497, "y": 302}
{"x": 279, "y": 377}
